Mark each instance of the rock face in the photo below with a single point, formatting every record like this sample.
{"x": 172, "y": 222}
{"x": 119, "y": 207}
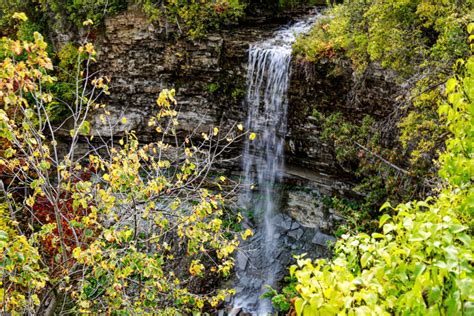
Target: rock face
{"x": 209, "y": 76}
{"x": 143, "y": 58}
{"x": 309, "y": 211}
{"x": 329, "y": 88}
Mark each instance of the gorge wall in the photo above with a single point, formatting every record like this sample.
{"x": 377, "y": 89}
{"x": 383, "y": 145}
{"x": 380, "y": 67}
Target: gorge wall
{"x": 209, "y": 76}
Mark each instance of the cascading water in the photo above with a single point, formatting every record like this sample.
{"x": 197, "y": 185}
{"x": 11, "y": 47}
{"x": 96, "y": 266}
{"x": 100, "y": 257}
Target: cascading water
{"x": 267, "y": 84}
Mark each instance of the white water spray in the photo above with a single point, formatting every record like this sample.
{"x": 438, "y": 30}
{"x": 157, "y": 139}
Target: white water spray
{"x": 267, "y": 85}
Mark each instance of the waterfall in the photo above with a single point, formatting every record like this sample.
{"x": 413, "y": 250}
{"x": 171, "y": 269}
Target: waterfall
{"x": 268, "y": 77}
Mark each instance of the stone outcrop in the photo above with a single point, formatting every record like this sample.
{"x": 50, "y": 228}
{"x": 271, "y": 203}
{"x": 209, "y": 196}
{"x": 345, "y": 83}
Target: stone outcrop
{"x": 210, "y": 78}
{"x": 329, "y": 88}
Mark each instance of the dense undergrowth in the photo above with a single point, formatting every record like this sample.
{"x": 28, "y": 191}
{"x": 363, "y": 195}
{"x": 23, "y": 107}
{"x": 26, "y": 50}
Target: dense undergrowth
{"x": 418, "y": 260}
{"x": 421, "y": 263}
{"x": 418, "y": 42}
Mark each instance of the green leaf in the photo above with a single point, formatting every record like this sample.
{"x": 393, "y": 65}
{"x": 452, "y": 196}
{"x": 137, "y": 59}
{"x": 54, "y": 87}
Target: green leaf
{"x": 385, "y": 205}
{"x": 3, "y": 235}
{"x": 419, "y": 269}
{"x": 85, "y": 128}
{"x": 383, "y": 219}
{"x": 299, "y": 305}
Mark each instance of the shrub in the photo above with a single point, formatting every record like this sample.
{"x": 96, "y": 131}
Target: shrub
{"x": 422, "y": 262}
{"x": 124, "y": 227}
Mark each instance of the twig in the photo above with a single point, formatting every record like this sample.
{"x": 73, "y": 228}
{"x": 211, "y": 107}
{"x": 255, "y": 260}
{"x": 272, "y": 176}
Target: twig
{"x": 383, "y": 159}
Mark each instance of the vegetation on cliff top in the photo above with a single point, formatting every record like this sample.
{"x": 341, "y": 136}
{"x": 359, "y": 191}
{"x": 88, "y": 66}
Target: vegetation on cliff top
{"x": 192, "y": 18}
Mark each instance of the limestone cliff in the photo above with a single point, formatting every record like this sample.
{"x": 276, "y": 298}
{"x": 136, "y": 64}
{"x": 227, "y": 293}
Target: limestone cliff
{"x": 210, "y": 75}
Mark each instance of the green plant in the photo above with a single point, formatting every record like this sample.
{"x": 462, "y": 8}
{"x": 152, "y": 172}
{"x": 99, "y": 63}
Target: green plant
{"x": 213, "y": 87}
{"x": 282, "y": 301}
{"x": 195, "y": 17}
{"x": 358, "y": 150}
{"x": 78, "y": 11}
{"x": 237, "y": 94}
{"x": 421, "y": 262}
{"x": 398, "y": 34}
{"x": 359, "y": 217}
{"x": 129, "y": 232}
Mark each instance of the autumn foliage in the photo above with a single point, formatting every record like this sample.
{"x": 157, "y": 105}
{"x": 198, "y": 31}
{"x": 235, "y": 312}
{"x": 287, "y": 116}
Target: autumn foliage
{"x": 124, "y": 227}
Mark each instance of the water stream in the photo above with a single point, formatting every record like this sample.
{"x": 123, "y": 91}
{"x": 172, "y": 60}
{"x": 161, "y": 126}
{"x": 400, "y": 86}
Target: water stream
{"x": 267, "y": 101}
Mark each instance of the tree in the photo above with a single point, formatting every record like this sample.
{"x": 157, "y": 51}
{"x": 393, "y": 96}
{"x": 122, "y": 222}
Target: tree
{"x": 119, "y": 226}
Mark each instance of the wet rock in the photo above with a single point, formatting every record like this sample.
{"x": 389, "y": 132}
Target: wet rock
{"x": 323, "y": 239}
{"x": 235, "y": 311}
{"x": 239, "y": 289}
{"x": 242, "y": 260}
{"x": 283, "y": 221}
{"x": 257, "y": 284}
{"x": 295, "y": 225}
{"x": 296, "y": 234}
{"x": 245, "y": 281}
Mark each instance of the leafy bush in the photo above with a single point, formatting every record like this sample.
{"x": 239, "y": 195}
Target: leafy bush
{"x": 23, "y": 276}
{"x": 422, "y": 262}
{"x": 75, "y": 12}
{"x": 123, "y": 227}
{"x": 401, "y": 35}
{"x": 195, "y": 17}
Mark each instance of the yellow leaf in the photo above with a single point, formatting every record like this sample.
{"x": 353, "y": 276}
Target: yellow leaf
{"x": 30, "y": 201}
{"x": 252, "y": 136}
{"x": 106, "y": 177}
{"x": 76, "y": 253}
{"x": 124, "y": 120}
{"x": 247, "y": 234}
{"x": 109, "y": 236}
{"x": 87, "y": 22}
{"x": 20, "y": 16}
{"x": 216, "y": 130}
{"x": 89, "y": 48}
{"x": 240, "y": 127}
{"x": 199, "y": 304}
{"x": 196, "y": 268}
